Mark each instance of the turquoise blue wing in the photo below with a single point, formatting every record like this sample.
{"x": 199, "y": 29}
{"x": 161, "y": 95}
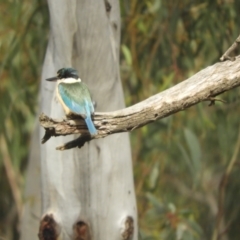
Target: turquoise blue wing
{"x": 77, "y": 98}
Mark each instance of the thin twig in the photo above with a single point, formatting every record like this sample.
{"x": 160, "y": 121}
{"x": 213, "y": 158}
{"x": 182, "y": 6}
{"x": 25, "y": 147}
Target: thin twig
{"x": 10, "y": 172}
{"x": 213, "y": 100}
{"x": 222, "y": 187}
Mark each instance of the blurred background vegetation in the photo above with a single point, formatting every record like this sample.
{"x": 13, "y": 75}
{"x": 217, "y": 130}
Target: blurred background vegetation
{"x": 186, "y": 166}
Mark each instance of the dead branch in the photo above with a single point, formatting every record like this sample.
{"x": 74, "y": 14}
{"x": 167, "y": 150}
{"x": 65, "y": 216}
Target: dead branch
{"x": 226, "y": 55}
{"x": 203, "y": 86}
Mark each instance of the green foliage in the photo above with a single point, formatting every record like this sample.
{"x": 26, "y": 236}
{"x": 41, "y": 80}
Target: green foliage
{"x": 23, "y": 30}
{"x": 179, "y": 161}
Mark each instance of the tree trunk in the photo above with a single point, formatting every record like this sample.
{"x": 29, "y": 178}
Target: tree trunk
{"x": 87, "y": 193}
{"x": 32, "y": 202}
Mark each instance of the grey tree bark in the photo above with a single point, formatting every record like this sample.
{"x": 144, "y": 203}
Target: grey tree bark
{"x": 32, "y": 195}
{"x": 87, "y": 193}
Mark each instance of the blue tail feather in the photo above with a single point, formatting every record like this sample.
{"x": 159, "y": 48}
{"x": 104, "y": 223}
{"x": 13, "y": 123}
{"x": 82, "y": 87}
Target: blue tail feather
{"x": 90, "y": 125}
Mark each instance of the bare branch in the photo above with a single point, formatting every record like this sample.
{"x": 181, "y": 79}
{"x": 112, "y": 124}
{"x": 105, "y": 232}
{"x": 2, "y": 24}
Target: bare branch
{"x": 226, "y": 55}
{"x": 203, "y": 86}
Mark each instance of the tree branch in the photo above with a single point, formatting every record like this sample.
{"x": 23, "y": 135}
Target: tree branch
{"x": 203, "y": 86}
{"x": 231, "y": 49}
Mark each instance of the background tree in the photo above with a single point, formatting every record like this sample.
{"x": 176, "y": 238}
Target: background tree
{"x": 178, "y": 161}
{"x": 86, "y": 191}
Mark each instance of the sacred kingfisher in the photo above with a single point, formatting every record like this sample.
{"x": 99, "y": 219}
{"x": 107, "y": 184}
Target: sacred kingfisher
{"x": 74, "y": 96}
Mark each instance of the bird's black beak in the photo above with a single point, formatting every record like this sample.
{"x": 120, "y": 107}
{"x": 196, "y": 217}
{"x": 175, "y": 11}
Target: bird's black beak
{"x": 52, "y": 79}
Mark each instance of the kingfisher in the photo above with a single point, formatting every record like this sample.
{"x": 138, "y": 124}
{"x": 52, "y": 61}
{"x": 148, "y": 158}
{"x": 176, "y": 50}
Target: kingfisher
{"x": 74, "y": 96}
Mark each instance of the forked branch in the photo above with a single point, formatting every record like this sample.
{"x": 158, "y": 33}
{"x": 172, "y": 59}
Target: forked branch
{"x": 231, "y": 49}
{"x": 203, "y": 86}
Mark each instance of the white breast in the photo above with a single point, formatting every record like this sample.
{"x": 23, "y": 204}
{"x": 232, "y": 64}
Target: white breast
{"x": 68, "y": 81}
{"x": 65, "y": 108}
